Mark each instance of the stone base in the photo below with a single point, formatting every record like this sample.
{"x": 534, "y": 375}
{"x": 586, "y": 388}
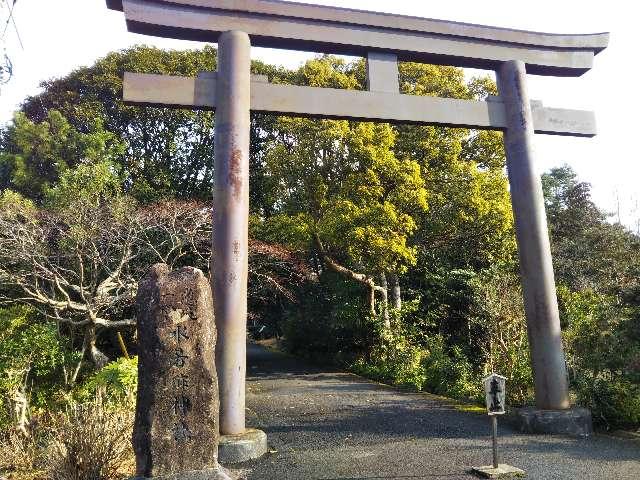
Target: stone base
{"x": 503, "y": 471}
{"x": 218, "y": 473}
{"x": 249, "y": 445}
{"x": 574, "y": 422}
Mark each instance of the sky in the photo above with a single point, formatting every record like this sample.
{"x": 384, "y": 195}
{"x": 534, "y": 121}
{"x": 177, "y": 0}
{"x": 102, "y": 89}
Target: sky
{"x": 58, "y": 36}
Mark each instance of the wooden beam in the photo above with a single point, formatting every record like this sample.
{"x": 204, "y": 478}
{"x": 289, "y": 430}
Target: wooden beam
{"x": 343, "y": 31}
{"x": 186, "y": 92}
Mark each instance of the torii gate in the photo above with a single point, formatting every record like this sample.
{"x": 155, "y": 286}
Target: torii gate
{"x": 384, "y": 40}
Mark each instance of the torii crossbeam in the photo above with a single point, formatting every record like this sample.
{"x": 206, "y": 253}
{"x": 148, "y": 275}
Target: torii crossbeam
{"x": 383, "y": 40}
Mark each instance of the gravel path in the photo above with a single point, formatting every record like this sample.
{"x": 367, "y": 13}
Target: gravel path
{"x": 330, "y": 425}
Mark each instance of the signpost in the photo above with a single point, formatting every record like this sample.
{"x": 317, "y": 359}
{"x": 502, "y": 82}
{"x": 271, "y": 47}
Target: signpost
{"x": 495, "y": 393}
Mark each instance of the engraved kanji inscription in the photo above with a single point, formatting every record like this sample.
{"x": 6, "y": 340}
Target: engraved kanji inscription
{"x": 181, "y": 432}
{"x": 180, "y": 358}
{"x": 181, "y": 405}
{"x": 180, "y": 333}
{"x": 181, "y": 383}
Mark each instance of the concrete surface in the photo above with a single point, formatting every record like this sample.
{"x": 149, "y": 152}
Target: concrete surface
{"x": 315, "y": 102}
{"x": 325, "y": 424}
{"x": 575, "y": 421}
{"x": 333, "y": 30}
{"x": 501, "y": 471}
{"x": 239, "y": 448}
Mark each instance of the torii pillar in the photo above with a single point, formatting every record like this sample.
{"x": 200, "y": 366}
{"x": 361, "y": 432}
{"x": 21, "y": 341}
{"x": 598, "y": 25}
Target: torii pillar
{"x": 553, "y": 413}
{"x": 229, "y": 255}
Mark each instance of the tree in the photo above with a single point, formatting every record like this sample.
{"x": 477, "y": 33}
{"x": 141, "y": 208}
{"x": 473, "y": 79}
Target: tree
{"x": 588, "y": 251}
{"x": 343, "y": 181}
{"x": 78, "y": 261}
{"x": 168, "y": 152}
{"x": 34, "y": 156}
{"x": 597, "y": 265}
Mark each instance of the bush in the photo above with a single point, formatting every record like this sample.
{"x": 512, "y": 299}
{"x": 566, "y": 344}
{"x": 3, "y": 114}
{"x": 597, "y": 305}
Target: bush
{"x": 32, "y": 360}
{"x": 602, "y": 355}
{"x": 90, "y": 441}
{"x": 408, "y": 357}
{"x": 117, "y": 382}
{"x": 448, "y": 374}
{"x": 329, "y": 324}
{"x": 499, "y": 319}
{"x": 396, "y": 360}
{"x": 614, "y": 403}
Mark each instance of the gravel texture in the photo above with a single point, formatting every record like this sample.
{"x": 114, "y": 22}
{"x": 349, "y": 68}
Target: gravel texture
{"x": 330, "y": 425}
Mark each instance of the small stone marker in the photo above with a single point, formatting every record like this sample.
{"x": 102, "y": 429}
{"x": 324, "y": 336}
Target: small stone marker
{"x": 495, "y": 397}
{"x": 176, "y": 427}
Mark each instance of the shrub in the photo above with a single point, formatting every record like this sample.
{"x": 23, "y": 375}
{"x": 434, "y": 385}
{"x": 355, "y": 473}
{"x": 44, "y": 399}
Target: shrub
{"x": 90, "y": 441}
{"x": 32, "y": 360}
{"x": 602, "y": 355}
{"x": 116, "y": 382}
{"x": 329, "y": 324}
{"x": 613, "y": 402}
{"x": 448, "y": 373}
{"x": 395, "y": 359}
{"x": 21, "y": 453}
{"x": 499, "y": 318}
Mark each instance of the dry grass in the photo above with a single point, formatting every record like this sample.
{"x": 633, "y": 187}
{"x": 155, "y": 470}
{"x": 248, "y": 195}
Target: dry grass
{"x": 21, "y": 455}
{"x": 90, "y": 442}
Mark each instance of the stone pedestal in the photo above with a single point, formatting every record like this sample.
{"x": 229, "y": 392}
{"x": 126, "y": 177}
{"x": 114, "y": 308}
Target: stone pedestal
{"x": 175, "y": 434}
{"x": 501, "y": 471}
{"x": 575, "y": 422}
{"x": 240, "y": 448}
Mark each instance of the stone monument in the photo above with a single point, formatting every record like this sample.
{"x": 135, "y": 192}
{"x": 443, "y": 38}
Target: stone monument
{"x": 176, "y": 427}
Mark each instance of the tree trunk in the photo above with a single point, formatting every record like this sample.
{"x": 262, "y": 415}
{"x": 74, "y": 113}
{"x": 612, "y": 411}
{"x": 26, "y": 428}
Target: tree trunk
{"x": 361, "y": 278}
{"x": 98, "y": 358}
{"x": 396, "y": 299}
{"x": 385, "y": 301}
{"x": 371, "y": 299}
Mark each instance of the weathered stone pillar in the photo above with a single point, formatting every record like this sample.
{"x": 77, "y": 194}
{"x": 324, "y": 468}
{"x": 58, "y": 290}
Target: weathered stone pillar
{"x": 176, "y": 427}
{"x": 230, "y": 243}
{"x": 541, "y": 304}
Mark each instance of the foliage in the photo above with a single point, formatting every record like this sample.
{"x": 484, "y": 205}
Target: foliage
{"x": 503, "y": 332}
{"x": 395, "y": 359}
{"x": 327, "y": 323}
{"x": 33, "y": 357}
{"x": 37, "y": 155}
{"x": 603, "y": 358}
{"x": 590, "y": 253}
{"x": 168, "y": 153}
{"x": 116, "y": 382}
{"x": 92, "y": 192}
{"x": 342, "y": 181}
{"x": 613, "y": 402}
{"x": 449, "y": 373}
{"x": 21, "y": 456}
{"x": 399, "y": 358}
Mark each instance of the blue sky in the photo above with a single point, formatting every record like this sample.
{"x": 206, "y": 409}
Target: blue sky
{"x": 61, "y": 35}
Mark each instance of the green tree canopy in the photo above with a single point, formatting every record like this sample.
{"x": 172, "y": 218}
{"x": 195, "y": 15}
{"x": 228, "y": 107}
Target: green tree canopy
{"x": 34, "y": 156}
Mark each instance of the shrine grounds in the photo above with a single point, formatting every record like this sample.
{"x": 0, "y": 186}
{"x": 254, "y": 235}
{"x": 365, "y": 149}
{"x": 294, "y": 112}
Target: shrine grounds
{"x": 326, "y": 424}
